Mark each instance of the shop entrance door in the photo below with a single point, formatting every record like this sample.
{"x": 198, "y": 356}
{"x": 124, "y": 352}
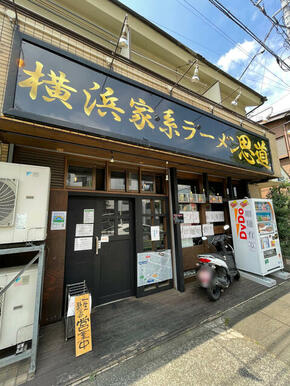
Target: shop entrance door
{"x": 101, "y": 253}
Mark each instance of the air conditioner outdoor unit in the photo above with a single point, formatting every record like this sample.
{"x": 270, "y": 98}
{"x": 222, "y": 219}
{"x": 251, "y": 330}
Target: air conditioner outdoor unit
{"x": 17, "y": 306}
{"x": 24, "y": 195}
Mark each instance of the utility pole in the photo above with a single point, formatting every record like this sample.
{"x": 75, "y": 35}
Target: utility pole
{"x": 285, "y": 4}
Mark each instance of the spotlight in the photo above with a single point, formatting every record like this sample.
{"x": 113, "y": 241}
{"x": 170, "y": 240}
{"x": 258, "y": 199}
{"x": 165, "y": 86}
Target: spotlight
{"x": 124, "y": 41}
{"x": 195, "y": 77}
{"x": 235, "y": 101}
{"x": 112, "y": 158}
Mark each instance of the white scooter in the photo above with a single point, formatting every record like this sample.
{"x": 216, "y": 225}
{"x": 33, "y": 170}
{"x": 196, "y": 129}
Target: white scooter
{"x": 216, "y": 271}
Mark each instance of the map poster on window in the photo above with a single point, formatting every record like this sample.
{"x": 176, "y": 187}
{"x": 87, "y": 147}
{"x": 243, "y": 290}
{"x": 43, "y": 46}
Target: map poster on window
{"x": 153, "y": 267}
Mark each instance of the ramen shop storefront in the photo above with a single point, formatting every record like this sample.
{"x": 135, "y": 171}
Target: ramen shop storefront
{"x": 125, "y": 161}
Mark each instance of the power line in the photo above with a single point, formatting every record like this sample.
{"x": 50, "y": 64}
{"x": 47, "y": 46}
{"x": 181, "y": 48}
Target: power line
{"x": 211, "y": 24}
{"x": 226, "y": 12}
{"x": 257, "y": 53}
{"x": 274, "y": 21}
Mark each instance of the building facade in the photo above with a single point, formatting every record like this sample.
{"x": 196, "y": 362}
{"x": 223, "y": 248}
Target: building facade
{"x": 131, "y": 140}
{"x": 279, "y": 124}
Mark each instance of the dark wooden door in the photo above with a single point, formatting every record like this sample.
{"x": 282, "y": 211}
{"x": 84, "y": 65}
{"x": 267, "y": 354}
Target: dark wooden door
{"x": 107, "y": 262}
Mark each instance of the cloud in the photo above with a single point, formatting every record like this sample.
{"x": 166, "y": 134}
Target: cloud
{"x": 266, "y": 83}
{"x": 254, "y": 15}
{"x": 264, "y": 75}
{"x": 240, "y": 53}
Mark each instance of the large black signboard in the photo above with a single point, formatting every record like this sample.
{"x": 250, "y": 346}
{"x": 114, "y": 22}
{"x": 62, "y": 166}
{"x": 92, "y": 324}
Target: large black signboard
{"x": 51, "y": 86}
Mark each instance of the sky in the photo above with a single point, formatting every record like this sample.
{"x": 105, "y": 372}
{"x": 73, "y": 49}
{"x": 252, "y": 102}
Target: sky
{"x": 202, "y": 27}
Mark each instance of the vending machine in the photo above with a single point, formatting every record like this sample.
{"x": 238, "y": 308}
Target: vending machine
{"x": 255, "y": 236}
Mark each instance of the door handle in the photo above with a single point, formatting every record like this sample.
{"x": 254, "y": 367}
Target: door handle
{"x": 97, "y": 245}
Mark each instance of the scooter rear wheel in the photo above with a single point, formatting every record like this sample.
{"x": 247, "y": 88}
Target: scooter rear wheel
{"x": 214, "y": 293}
{"x": 238, "y": 275}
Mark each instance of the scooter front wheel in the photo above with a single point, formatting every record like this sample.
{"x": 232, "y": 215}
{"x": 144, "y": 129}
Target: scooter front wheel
{"x": 213, "y": 293}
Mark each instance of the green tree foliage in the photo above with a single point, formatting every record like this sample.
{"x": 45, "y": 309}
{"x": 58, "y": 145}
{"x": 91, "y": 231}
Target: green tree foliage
{"x": 281, "y": 200}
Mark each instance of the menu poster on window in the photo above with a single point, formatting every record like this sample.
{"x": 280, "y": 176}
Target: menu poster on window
{"x": 89, "y": 216}
{"x": 191, "y": 217}
{"x": 207, "y": 230}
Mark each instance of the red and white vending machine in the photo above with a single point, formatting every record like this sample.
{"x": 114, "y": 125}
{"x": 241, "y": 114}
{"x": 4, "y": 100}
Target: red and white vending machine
{"x": 255, "y": 236}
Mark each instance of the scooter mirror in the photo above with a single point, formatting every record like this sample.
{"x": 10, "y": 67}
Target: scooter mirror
{"x": 226, "y": 227}
{"x": 204, "y": 238}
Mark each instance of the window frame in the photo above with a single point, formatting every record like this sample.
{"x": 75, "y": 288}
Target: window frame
{"x": 80, "y": 164}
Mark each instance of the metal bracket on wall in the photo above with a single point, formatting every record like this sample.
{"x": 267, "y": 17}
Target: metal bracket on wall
{"x": 32, "y": 352}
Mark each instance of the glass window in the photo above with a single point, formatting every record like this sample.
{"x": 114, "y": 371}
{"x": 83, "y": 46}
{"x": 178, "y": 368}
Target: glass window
{"x": 107, "y": 227}
{"x": 133, "y": 181}
{"x": 159, "y": 184}
{"x": 123, "y": 227}
{"x": 158, "y": 206}
{"x": 118, "y": 180}
{"x": 216, "y": 188}
{"x": 80, "y": 177}
{"x": 146, "y": 207}
{"x": 109, "y": 208}
{"x": 147, "y": 243}
{"x": 123, "y": 207}
{"x": 100, "y": 179}
{"x": 146, "y": 223}
{"x": 161, "y": 243}
{"x": 147, "y": 183}
{"x": 159, "y": 221}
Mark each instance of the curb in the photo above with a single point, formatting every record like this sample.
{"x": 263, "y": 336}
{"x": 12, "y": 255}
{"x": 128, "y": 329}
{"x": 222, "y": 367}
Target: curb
{"x": 167, "y": 338}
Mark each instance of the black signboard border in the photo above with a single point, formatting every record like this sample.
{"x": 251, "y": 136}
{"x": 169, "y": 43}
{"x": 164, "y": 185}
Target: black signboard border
{"x": 9, "y": 110}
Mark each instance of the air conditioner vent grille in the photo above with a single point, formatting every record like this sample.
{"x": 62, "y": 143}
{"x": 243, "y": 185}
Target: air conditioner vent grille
{"x": 8, "y": 193}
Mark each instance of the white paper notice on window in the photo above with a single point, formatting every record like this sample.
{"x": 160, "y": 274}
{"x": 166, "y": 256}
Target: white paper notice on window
{"x": 191, "y": 217}
{"x": 189, "y": 231}
{"x": 207, "y": 229}
{"x": 214, "y": 216}
{"x": 89, "y": 216}
{"x": 155, "y": 233}
{"x": 84, "y": 230}
{"x": 83, "y": 243}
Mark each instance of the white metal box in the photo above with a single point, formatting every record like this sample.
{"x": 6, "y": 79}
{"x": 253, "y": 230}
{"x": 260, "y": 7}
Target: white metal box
{"x": 24, "y": 195}
{"x": 255, "y": 236}
{"x": 17, "y": 305}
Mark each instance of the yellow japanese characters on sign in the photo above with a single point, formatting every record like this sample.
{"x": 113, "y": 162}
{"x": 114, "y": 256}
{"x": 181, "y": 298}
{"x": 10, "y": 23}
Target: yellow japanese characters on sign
{"x": 52, "y": 88}
{"x": 83, "y": 336}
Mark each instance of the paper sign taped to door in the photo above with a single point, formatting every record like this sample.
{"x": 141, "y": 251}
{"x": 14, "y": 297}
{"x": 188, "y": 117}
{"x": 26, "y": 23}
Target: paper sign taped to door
{"x": 83, "y": 335}
{"x": 89, "y": 216}
{"x": 83, "y": 243}
{"x": 84, "y": 230}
